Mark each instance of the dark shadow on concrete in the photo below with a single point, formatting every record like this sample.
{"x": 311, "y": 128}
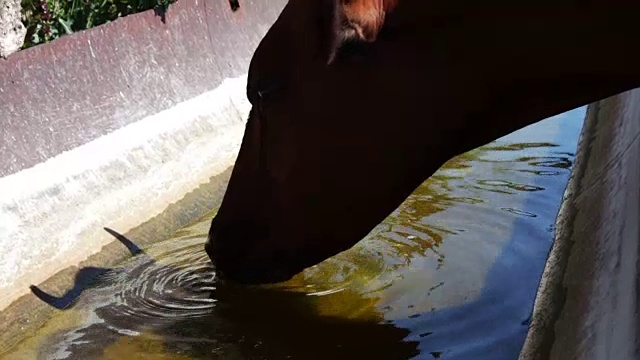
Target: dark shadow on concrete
{"x": 84, "y": 278}
{"x": 161, "y": 11}
{"x": 131, "y": 246}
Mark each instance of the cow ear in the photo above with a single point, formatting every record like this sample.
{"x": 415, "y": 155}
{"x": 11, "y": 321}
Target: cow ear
{"x": 357, "y": 21}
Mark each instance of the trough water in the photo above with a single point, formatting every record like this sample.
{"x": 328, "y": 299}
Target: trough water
{"x": 451, "y": 274}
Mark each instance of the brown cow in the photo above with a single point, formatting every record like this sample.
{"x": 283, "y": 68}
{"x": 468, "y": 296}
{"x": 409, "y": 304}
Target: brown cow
{"x": 357, "y": 102}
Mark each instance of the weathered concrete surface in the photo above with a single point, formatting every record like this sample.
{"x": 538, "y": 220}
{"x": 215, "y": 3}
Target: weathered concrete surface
{"x": 588, "y": 304}
{"x": 28, "y": 313}
{"x": 58, "y": 96}
{"x": 12, "y": 31}
{"x": 113, "y": 127}
{"x": 141, "y": 112}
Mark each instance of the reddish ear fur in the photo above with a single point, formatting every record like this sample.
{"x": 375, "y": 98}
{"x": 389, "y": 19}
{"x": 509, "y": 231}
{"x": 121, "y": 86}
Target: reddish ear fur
{"x": 354, "y": 20}
{"x": 363, "y": 19}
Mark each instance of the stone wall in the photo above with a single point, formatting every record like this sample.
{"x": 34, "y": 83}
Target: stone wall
{"x": 12, "y": 31}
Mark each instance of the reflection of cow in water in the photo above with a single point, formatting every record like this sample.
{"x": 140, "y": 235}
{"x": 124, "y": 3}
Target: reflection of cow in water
{"x": 356, "y": 102}
{"x": 245, "y": 322}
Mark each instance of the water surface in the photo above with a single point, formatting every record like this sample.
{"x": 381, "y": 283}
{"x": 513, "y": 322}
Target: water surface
{"x": 451, "y": 274}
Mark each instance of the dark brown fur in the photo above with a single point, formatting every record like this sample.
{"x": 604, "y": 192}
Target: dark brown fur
{"x": 332, "y": 147}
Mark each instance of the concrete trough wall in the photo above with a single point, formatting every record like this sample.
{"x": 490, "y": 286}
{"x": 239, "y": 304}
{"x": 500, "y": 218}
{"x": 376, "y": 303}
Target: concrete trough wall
{"x": 97, "y": 123}
{"x": 588, "y": 304}
{"x": 144, "y": 112}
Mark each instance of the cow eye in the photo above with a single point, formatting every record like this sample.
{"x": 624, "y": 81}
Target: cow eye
{"x": 268, "y": 88}
{"x": 262, "y": 89}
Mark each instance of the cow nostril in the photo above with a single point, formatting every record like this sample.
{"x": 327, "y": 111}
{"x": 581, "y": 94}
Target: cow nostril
{"x": 210, "y": 247}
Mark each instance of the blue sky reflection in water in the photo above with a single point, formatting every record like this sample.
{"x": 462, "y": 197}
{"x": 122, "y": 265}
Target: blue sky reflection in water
{"x": 451, "y": 274}
{"x": 503, "y": 219}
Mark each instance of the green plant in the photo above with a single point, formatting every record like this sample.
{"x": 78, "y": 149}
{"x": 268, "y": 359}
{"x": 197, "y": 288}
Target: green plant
{"x": 46, "y": 20}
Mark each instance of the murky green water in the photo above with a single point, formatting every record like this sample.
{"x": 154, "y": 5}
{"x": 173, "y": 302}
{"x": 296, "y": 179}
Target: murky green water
{"x": 451, "y": 274}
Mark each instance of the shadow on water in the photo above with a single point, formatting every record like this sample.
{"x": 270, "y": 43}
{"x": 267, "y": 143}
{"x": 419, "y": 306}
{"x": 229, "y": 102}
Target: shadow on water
{"x": 451, "y": 274}
{"x": 84, "y": 278}
{"x": 247, "y": 322}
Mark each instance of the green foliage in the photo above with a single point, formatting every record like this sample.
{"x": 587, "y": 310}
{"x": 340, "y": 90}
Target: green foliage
{"x": 49, "y": 19}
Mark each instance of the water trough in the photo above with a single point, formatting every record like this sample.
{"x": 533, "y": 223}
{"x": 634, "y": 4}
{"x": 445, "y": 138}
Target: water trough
{"x": 138, "y": 111}
{"x": 142, "y": 111}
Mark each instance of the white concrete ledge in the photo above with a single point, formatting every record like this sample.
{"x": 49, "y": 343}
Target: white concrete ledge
{"x": 52, "y": 215}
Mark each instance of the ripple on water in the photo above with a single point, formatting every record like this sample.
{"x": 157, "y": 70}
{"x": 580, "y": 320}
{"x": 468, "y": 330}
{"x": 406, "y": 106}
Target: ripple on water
{"x": 450, "y": 274}
{"x": 175, "y": 283}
